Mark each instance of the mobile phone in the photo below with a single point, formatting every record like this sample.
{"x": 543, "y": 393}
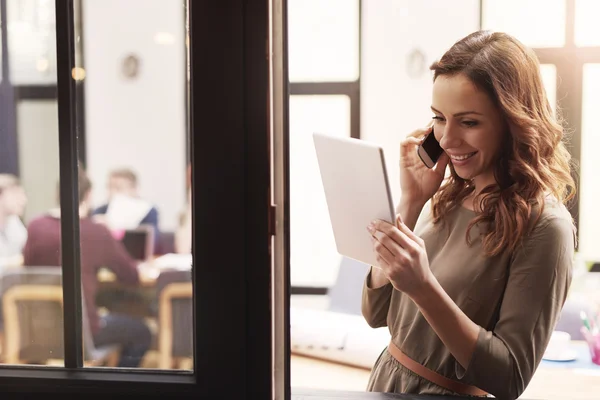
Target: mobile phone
{"x": 430, "y": 150}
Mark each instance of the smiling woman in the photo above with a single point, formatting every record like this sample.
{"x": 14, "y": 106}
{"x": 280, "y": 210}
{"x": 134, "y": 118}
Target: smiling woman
{"x": 522, "y": 157}
{"x": 453, "y": 298}
{"x": 470, "y": 129}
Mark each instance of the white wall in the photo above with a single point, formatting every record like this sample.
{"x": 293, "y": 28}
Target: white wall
{"x": 392, "y": 103}
{"x": 314, "y": 260}
{"x": 137, "y": 123}
{"x": 37, "y": 127}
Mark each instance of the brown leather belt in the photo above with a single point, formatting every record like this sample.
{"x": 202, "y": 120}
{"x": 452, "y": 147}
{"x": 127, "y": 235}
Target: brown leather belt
{"x": 430, "y": 375}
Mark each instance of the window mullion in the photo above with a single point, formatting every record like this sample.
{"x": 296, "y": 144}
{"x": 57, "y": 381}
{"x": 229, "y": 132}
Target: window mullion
{"x": 69, "y": 199}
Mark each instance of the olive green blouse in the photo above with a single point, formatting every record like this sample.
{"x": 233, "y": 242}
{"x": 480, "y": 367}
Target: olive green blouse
{"x": 516, "y": 299}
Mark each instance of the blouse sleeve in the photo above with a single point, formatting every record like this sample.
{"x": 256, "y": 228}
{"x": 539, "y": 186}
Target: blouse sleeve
{"x": 505, "y": 359}
{"x": 376, "y": 302}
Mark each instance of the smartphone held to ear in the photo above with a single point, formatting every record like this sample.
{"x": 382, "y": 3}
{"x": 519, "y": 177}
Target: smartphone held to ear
{"x": 430, "y": 150}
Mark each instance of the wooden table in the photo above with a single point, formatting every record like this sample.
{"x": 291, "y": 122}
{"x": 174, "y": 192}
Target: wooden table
{"x": 139, "y": 300}
{"x": 150, "y": 270}
{"x": 548, "y": 383}
{"x": 148, "y": 275}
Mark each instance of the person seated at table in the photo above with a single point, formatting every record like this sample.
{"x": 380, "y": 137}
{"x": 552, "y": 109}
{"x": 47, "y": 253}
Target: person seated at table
{"x": 12, "y": 231}
{"x": 98, "y": 249}
{"x": 123, "y": 184}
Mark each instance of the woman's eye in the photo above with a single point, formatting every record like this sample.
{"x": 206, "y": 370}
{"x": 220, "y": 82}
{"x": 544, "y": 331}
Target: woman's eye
{"x": 470, "y": 123}
{"x": 436, "y": 118}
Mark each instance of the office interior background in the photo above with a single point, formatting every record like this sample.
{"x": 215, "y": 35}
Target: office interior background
{"x": 357, "y": 68}
{"x": 361, "y": 69}
{"x": 132, "y": 98}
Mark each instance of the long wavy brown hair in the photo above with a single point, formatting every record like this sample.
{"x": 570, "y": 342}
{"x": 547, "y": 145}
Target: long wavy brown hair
{"x": 534, "y": 162}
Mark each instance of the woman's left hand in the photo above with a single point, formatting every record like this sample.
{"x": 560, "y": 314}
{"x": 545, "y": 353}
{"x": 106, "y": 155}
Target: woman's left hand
{"x": 401, "y": 255}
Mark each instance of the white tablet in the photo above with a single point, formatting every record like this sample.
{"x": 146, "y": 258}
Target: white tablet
{"x": 357, "y": 190}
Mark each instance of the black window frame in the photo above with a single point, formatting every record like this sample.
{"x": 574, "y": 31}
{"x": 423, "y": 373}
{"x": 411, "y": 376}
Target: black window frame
{"x": 229, "y": 134}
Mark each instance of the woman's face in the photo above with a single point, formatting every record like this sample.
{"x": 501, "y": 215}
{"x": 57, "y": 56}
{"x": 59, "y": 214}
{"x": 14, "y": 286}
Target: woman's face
{"x": 469, "y": 128}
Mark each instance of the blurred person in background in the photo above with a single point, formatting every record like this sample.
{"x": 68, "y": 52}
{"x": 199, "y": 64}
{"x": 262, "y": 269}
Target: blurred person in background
{"x": 124, "y": 182}
{"x": 183, "y": 235}
{"x": 98, "y": 250}
{"x": 13, "y": 234}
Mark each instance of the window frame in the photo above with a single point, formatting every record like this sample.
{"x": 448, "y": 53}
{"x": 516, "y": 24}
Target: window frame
{"x": 229, "y": 134}
{"x": 14, "y": 94}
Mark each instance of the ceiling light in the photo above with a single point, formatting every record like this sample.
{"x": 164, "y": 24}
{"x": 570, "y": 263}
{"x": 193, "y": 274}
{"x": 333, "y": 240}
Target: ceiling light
{"x": 164, "y": 38}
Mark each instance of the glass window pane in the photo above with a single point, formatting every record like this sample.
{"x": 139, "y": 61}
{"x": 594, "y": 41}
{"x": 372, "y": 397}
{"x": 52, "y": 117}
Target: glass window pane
{"x": 136, "y": 146}
{"x": 30, "y": 283}
{"x": 323, "y": 40}
{"x": 548, "y": 72}
{"x": 31, "y": 41}
{"x": 314, "y": 259}
{"x": 526, "y": 21}
{"x": 587, "y": 29}
{"x": 37, "y": 127}
{"x": 589, "y": 212}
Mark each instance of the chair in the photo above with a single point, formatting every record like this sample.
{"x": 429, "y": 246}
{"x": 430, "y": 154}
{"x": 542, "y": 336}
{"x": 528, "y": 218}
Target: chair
{"x": 139, "y": 242}
{"x": 345, "y": 296}
{"x": 175, "y": 331}
{"x": 32, "y": 316}
{"x": 165, "y": 243}
{"x": 339, "y": 333}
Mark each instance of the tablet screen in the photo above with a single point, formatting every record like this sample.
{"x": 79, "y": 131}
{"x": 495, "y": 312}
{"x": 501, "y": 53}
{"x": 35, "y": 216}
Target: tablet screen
{"x": 357, "y": 191}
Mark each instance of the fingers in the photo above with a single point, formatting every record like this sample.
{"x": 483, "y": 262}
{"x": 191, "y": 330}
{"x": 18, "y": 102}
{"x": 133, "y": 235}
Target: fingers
{"x": 422, "y": 131}
{"x": 408, "y": 145}
{"x": 411, "y": 237}
{"x": 383, "y": 265}
{"x": 397, "y": 239}
{"x": 408, "y": 241}
{"x": 415, "y": 138}
{"x": 383, "y": 253}
{"x": 386, "y": 240}
{"x": 411, "y": 141}
{"x": 389, "y": 259}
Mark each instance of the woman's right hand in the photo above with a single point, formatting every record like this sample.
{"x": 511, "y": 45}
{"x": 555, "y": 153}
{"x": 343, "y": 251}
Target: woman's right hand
{"x": 417, "y": 182}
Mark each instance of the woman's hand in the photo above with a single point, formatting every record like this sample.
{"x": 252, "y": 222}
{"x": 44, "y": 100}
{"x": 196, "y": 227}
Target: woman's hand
{"x": 401, "y": 255}
{"x": 417, "y": 182}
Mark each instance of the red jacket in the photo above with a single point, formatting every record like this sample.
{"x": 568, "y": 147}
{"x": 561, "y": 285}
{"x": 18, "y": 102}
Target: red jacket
{"x": 98, "y": 249}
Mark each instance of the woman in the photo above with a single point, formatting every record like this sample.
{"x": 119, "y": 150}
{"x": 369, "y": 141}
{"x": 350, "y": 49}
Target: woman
{"x": 472, "y": 296}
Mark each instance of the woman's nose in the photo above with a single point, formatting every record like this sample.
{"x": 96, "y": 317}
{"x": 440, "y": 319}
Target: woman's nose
{"x": 450, "y": 138}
